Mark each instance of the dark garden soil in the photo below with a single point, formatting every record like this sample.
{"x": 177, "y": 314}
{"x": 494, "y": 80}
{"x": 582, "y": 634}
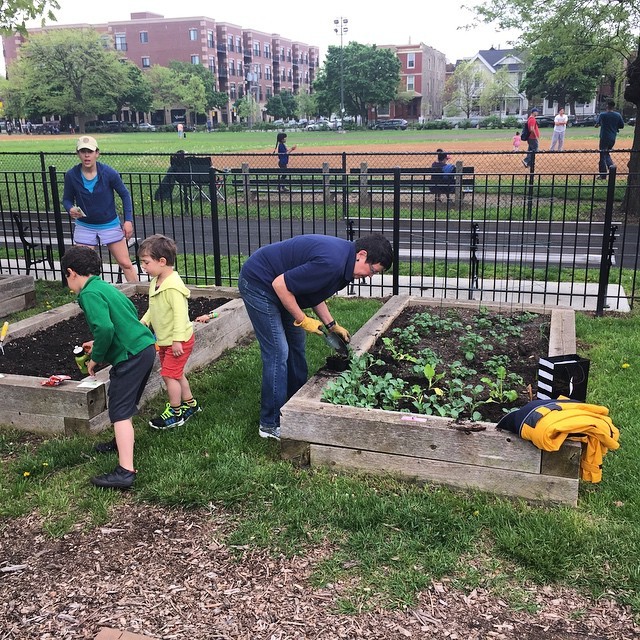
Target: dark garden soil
{"x": 523, "y": 352}
{"x": 50, "y": 351}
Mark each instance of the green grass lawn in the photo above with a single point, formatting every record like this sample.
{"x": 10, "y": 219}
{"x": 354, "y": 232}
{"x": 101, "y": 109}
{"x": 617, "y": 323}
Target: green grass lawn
{"x": 391, "y": 538}
{"x": 229, "y": 142}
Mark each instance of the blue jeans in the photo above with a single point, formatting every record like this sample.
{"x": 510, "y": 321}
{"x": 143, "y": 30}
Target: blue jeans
{"x": 605, "y": 162}
{"x": 533, "y": 147}
{"x": 282, "y": 347}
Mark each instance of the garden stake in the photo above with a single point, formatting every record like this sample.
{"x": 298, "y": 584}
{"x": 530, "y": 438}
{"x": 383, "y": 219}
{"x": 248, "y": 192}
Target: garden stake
{"x": 3, "y": 335}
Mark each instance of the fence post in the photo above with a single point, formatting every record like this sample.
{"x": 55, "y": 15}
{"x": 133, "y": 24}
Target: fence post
{"x": 363, "y": 193}
{"x": 529, "y": 182}
{"x": 396, "y": 231}
{"x": 326, "y": 183}
{"x": 45, "y": 190}
{"x": 245, "y": 182}
{"x": 215, "y": 228}
{"x": 606, "y": 251}
{"x": 57, "y": 215}
{"x": 458, "y": 187}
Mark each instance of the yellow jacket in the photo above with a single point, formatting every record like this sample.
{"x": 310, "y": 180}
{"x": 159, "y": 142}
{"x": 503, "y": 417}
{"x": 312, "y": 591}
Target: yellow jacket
{"x": 168, "y": 312}
{"x": 548, "y": 426}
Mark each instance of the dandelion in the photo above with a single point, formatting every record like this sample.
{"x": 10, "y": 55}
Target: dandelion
{"x": 26, "y": 474}
{"x": 626, "y": 365}
{"x": 45, "y": 464}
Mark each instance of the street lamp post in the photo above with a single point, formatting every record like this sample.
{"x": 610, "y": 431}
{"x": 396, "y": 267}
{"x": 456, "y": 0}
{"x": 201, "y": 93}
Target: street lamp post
{"x": 341, "y": 28}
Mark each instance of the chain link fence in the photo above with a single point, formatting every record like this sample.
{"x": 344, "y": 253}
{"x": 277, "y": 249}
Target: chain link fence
{"x": 498, "y": 231}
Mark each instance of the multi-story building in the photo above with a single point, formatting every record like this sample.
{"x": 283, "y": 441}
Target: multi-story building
{"x": 422, "y": 80}
{"x": 241, "y": 59}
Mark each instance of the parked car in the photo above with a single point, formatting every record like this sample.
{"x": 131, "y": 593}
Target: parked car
{"x": 587, "y": 121}
{"x": 147, "y": 126}
{"x": 545, "y": 121}
{"x": 319, "y": 126}
{"x": 392, "y": 123}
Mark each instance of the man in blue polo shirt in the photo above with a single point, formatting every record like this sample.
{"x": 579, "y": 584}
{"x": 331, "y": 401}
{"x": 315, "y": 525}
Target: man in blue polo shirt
{"x": 280, "y": 280}
{"x": 610, "y": 122}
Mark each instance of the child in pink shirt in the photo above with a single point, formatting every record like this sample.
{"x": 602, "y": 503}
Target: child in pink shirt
{"x": 516, "y": 141}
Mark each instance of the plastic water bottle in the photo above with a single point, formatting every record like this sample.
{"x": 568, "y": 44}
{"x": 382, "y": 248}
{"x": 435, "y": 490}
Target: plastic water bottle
{"x": 81, "y": 357}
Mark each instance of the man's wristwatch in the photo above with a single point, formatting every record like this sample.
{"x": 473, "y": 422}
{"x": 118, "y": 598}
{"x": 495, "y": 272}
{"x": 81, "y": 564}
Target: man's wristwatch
{"x": 330, "y": 325}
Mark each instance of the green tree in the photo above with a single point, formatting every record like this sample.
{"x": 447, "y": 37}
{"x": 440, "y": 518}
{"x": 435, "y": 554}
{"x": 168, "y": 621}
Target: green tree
{"x": 545, "y": 77}
{"x": 213, "y": 99}
{"x": 248, "y": 108}
{"x": 164, "y": 88}
{"x": 274, "y": 107}
{"x": 307, "y": 105}
{"x": 68, "y": 72}
{"x": 464, "y": 87}
{"x": 15, "y": 13}
{"x": 371, "y": 78}
{"x": 584, "y": 31}
{"x": 495, "y": 92}
{"x": 138, "y": 95}
{"x": 289, "y": 103}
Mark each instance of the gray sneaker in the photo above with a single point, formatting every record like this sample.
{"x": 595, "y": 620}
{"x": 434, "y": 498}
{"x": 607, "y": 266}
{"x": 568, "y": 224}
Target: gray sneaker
{"x": 269, "y": 432}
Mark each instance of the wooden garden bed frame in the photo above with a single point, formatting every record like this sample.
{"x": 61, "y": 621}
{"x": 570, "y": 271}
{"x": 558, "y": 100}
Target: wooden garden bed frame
{"x": 16, "y": 293}
{"x": 427, "y": 448}
{"x": 70, "y": 408}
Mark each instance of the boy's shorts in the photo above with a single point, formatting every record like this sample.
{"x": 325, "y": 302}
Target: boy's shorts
{"x": 127, "y": 380}
{"x": 173, "y": 366}
{"x": 94, "y": 237}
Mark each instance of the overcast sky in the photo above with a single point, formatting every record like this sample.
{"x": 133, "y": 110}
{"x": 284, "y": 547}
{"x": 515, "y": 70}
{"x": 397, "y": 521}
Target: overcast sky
{"x": 434, "y": 22}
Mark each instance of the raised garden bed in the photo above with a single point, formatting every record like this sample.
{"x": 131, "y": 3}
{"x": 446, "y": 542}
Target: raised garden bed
{"x": 16, "y": 293}
{"x": 428, "y": 448}
{"x": 73, "y": 408}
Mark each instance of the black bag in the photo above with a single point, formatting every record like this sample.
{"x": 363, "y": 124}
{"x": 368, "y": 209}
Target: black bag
{"x": 525, "y": 132}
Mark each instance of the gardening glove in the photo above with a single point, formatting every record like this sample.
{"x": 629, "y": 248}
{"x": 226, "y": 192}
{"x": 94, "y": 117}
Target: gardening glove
{"x": 310, "y": 325}
{"x": 341, "y": 331}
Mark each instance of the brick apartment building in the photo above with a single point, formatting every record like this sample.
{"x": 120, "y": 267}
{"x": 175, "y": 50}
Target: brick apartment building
{"x": 422, "y": 80}
{"x": 241, "y": 60}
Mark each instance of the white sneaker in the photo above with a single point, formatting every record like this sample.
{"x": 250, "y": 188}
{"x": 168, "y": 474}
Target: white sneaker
{"x": 269, "y": 432}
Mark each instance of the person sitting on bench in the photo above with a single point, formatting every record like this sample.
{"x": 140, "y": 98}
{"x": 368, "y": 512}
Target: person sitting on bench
{"x": 443, "y": 182}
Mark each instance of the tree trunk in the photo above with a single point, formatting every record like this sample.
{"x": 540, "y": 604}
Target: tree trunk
{"x": 631, "y": 202}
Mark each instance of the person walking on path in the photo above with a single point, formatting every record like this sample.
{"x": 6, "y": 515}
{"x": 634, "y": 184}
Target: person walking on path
{"x": 120, "y": 340}
{"x": 610, "y": 122}
{"x": 277, "y": 283}
{"x": 168, "y": 315}
{"x": 533, "y": 141}
{"x": 559, "y": 129}
{"x": 283, "y": 158}
{"x": 88, "y": 197}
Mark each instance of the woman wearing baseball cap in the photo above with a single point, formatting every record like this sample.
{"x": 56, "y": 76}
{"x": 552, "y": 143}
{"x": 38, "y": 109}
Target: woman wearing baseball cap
{"x": 89, "y": 198}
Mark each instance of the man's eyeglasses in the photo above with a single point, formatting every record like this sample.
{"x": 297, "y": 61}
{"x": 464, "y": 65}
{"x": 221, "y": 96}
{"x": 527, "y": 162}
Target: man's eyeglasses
{"x": 373, "y": 271}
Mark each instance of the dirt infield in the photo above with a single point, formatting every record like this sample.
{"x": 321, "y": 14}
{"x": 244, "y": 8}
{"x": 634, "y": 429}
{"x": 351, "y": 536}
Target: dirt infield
{"x": 486, "y": 156}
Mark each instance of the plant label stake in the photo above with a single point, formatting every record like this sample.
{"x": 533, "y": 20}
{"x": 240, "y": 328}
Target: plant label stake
{"x": 3, "y": 335}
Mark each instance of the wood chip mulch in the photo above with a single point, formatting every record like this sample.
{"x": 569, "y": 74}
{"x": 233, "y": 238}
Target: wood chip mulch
{"x": 170, "y": 574}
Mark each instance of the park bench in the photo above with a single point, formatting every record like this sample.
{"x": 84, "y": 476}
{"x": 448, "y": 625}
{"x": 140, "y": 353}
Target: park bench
{"x": 38, "y": 244}
{"x": 300, "y": 184}
{"x": 415, "y": 182}
{"x": 517, "y": 243}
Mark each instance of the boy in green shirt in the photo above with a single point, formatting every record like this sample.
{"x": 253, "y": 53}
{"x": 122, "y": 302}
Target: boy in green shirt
{"x": 168, "y": 314}
{"x": 120, "y": 340}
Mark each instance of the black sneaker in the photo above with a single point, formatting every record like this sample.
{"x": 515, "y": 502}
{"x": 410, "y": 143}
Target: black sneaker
{"x": 189, "y": 410}
{"x": 269, "y": 432}
{"x": 168, "y": 419}
{"x": 119, "y": 478}
{"x": 106, "y": 447}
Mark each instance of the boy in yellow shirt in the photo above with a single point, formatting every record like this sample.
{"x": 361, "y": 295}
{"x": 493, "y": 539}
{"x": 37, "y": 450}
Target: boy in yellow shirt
{"x": 168, "y": 314}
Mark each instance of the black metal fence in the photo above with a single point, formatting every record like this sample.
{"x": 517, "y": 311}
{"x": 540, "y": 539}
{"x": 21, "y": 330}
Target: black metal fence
{"x": 538, "y": 235}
